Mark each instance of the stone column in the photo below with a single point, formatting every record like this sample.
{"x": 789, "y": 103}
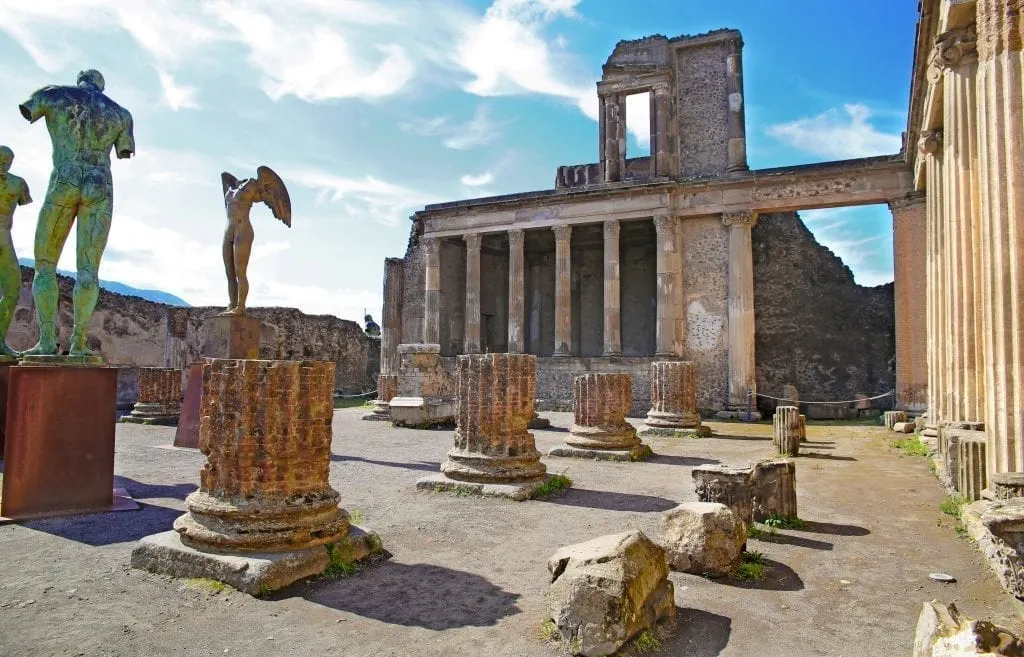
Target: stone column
{"x": 493, "y": 451}
{"x": 737, "y": 126}
{"x": 600, "y": 402}
{"x": 432, "y": 292}
{"x": 667, "y": 344}
{"x": 910, "y": 260}
{"x": 786, "y": 432}
{"x": 159, "y": 397}
{"x": 741, "y": 310}
{"x": 472, "y": 341}
{"x": 563, "y": 291}
{"x": 613, "y": 144}
{"x": 1001, "y": 187}
{"x": 387, "y": 389}
{"x": 674, "y": 399}
{"x": 931, "y": 148}
{"x": 391, "y": 320}
{"x": 516, "y": 293}
{"x": 662, "y": 125}
{"x": 612, "y": 295}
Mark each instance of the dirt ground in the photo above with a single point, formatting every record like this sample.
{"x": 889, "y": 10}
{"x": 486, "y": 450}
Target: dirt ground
{"x": 467, "y": 574}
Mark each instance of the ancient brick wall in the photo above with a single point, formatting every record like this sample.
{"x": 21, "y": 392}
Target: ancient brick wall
{"x": 816, "y": 328}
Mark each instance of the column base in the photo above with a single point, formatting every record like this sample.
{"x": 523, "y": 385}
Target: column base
{"x": 701, "y": 431}
{"x": 638, "y": 453}
{"x": 381, "y": 412}
{"x": 538, "y": 422}
{"x": 517, "y": 490}
{"x": 160, "y": 414}
{"x": 255, "y": 573}
{"x": 668, "y": 420}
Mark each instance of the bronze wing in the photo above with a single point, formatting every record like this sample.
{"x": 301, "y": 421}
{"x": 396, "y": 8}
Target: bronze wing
{"x": 275, "y": 194}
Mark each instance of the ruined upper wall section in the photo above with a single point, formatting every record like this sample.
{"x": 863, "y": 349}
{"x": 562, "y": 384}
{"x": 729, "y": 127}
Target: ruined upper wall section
{"x": 658, "y": 49}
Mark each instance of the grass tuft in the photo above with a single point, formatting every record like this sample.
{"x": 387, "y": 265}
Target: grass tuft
{"x": 207, "y": 584}
{"x": 645, "y": 453}
{"x": 339, "y": 567}
{"x": 953, "y": 505}
{"x": 646, "y": 641}
{"x": 911, "y": 446}
{"x": 355, "y": 517}
{"x": 554, "y": 484}
{"x": 752, "y": 568}
{"x": 780, "y": 522}
{"x": 756, "y": 533}
{"x": 548, "y": 632}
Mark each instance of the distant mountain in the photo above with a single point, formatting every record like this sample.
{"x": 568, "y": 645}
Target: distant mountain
{"x": 157, "y": 296}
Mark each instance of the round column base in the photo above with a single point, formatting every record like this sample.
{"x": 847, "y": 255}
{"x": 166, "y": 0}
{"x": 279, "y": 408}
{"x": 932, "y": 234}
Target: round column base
{"x": 668, "y": 420}
{"x": 477, "y": 467}
{"x": 613, "y": 437}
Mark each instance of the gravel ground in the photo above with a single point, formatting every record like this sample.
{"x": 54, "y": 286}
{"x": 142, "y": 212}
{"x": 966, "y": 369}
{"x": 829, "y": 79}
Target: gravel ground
{"x": 466, "y": 575}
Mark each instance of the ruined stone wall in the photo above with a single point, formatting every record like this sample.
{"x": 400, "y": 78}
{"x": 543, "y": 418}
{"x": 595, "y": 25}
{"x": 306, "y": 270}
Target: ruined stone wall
{"x": 702, "y": 107}
{"x": 705, "y": 248}
{"x": 286, "y": 334}
{"x": 413, "y": 284}
{"x": 816, "y": 328}
{"x": 555, "y": 378}
{"x": 453, "y": 297}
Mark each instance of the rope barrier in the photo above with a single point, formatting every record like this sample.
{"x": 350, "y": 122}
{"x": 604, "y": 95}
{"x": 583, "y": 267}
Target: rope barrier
{"x": 372, "y": 392}
{"x": 801, "y": 401}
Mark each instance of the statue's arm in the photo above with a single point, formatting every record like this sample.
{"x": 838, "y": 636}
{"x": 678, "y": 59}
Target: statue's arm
{"x": 25, "y": 197}
{"x": 36, "y": 106}
{"x": 126, "y": 140}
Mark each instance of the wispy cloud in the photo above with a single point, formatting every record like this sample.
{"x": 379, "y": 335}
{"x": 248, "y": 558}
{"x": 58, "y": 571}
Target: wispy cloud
{"x": 177, "y": 96}
{"x": 479, "y": 180}
{"x": 857, "y": 236}
{"x": 363, "y": 198}
{"x": 846, "y": 133}
{"x": 480, "y": 130}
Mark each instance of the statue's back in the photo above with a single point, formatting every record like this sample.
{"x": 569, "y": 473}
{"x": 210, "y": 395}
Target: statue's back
{"x": 84, "y": 124}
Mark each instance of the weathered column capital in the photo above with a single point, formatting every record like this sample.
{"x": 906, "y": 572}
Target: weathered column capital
{"x": 611, "y": 229}
{"x": 431, "y": 244}
{"x": 952, "y": 48}
{"x": 739, "y": 219}
{"x": 473, "y": 241}
{"x": 910, "y": 200}
{"x": 515, "y": 237}
{"x": 562, "y": 233}
{"x": 931, "y": 142}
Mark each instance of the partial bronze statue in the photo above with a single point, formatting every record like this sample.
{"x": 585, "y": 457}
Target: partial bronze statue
{"x": 84, "y": 125}
{"x": 239, "y": 196}
{"x": 13, "y": 192}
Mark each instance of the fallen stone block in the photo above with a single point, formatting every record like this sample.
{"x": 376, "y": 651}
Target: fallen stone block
{"x": 998, "y": 529}
{"x": 943, "y": 632}
{"x": 605, "y": 591}
{"x": 890, "y": 418}
{"x": 904, "y": 427}
{"x": 705, "y": 538}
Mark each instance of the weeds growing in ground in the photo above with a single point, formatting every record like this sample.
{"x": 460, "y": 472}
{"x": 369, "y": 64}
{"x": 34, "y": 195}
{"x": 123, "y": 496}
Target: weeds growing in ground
{"x": 952, "y": 505}
{"x": 781, "y": 522}
{"x": 355, "y": 516}
{"x": 645, "y": 642}
{"x": 757, "y": 533}
{"x": 645, "y": 453}
{"x": 339, "y": 567}
{"x": 548, "y": 631}
{"x": 553, "y": 484}
{"x": 752, "y": 567}
{"x": 207, "y": 584}
{"x": 911, "y": 446}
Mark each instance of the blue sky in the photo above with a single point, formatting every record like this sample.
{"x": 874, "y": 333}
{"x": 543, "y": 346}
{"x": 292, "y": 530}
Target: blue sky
{"x": 370, "y": 109}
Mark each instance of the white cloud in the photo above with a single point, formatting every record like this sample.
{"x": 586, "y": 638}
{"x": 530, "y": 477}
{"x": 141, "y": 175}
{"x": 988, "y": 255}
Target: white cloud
{"x": 479, "y": 180}
{"x": 638, "y": 118}
{"x": 177, "y": 96}
{"x": 363, "y": 198}
{"x": 424, "y": 127}
{"x": 853, "y": 236}
{"x": 480, "y": 130}
{"x": 838, "y": 134}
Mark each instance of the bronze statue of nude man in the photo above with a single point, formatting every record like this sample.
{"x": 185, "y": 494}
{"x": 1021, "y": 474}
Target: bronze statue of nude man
{"x": 84, "y": 125}
{"x": 239, "y": 197}
{"x": 13, "y": 192}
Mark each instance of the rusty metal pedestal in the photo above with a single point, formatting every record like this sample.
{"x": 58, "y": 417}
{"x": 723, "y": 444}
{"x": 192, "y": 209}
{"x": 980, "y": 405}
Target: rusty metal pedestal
{"x": 59, "y": 452}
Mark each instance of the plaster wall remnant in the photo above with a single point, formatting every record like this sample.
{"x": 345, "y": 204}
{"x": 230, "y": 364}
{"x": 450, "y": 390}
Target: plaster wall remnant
{"x": 630, "y": 259}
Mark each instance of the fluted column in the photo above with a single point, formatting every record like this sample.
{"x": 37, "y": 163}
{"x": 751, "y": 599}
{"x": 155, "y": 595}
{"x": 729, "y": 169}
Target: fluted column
{"x": 666, "y": 340}
{"x": 612, "y": 297}
{"x": 563, "y": 291}
{"x": 1001, "y": 186}
{"x": 472, "y": 340}
{"x": 516, "y": 292}
{"x": 741, "y": 307}
{"x": 391, "y": 320}
{"x": 432, "y": 292}
{"x": 662, "y": 131}
{"x": 613, "y": 136}
{"x": 931, "y": 150}
{"x": 908, "y": 240}
{"x": 737, "y": 126}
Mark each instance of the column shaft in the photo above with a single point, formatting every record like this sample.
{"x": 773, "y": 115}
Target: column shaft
{"x": 741, "y": 307}
{"x": 516, "y": 292}
{"x": 563, "y": 291}
{"x": 432, "y": 292}
{"x": 908, "y": 238}
{"x": 667, "y": 267}
{"x": 472, "y": 339}
{"x": 612, "y": 294}
{"x": 391, "y": 320}
{"x": 737, "y": 126}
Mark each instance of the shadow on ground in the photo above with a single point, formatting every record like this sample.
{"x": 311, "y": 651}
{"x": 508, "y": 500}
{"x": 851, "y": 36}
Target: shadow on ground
{"x": 426, "y": 466}
{"x": 141, "y": 490}
{"x": 697, "y": 633}
{"x": 834, "y": 529}
{"x": 689, "y": 461}
{"x": 417, "y": 595}
{"x": 797, "y": 541}
{"x": 824, "y": 457}
{"x": 97, "y": 529}
{"x": 778, "y": 577}
{"x": 612, "y": 501}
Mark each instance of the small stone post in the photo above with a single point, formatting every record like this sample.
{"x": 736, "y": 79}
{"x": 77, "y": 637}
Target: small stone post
{"x": 728, "y": 486}
{"x": 494, "y": 454}
{"x": 159, "y": 397}
{"x": 774, "y": 489}
{"x": 892, "y": 417}
{"x": 674, "y": 400}
{"x": 600, "y": 430}
{"x": 787, "y": 430}
{"x": 803, "y": 427}
{"x": 266, "y": 434}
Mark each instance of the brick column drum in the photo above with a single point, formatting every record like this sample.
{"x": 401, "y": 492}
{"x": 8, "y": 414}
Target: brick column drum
{"x": 159, "y": 397}
{"x": 673, "y": 400}
{"x": 265, "y": 429}
{"x": 600, "y": 430}
{"x": 494, "y": 454}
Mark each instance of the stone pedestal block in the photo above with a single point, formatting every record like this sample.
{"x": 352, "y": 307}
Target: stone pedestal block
{"x": 773, "y": 489}
{"x": 1007, "y": 485}
{"x": 59, "y": 453}
{"x": 786, "y": 435}
{"x": 159, "y": 397}
{"x": 892, "y": 417}
{"x": 187, "y": 433}
{"x": 971, "y": 464}
{"x": 231, "y": 336}
{"x": 426, "y": 394}
{"x": 673, "y": 397}
{"x": 265, "y": 429}
{"x": 600, "y": 429}
{"x": 387, "y": 389}
{"x": 728, "y": 486}
{"x": 492, "y": 445}
{"x": 705, "y": 538}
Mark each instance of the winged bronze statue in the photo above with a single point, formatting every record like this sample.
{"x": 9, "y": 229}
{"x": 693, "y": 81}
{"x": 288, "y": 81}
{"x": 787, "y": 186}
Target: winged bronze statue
{"x": 239, "y": 197}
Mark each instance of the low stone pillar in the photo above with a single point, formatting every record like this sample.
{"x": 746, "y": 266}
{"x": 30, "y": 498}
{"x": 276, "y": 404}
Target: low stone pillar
{"x": 892, "y": 417}
{"x": 786, "y": 435}
{"x": 387, "y": 389}
{"x": 971, "y": 464}
{"x": 674, "y": 401}
{"x": 863, "y": 402}
{"x": 728, "y": 486}
{"x": 1007, "y": 485}
{"x": 159, "y": 397}
{"x": 803, "y": 427}
{"x": 494, "y": 454}
{"x": 266, "y": 434}
{"x": 600, "y": 430}
{"x": 426, "y": 395}
{"x": 773, "y": 489}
